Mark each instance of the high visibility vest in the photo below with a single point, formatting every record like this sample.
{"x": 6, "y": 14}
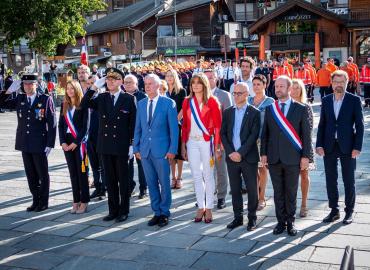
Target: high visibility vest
{"x": 312, "y": 71}
{"x": 365, "y": 74}
{"x": 355, "y": 71}
{"x": 278, "y": 71}
{"x": 304, "y": 75}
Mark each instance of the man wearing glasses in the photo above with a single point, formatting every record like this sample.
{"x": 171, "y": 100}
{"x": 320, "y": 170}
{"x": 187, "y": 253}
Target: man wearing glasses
{"x": 239, "y": 134}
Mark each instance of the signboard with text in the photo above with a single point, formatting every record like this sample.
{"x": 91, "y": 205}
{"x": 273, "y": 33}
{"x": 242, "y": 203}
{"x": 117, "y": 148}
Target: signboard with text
{"x": 180, "y": 51}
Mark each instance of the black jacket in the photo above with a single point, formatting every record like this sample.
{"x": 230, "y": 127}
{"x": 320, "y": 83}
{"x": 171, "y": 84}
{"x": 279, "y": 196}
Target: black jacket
{"x": 116, "y": 124}
{"x": 36, "y": 128}
{"x": 276, "y": 145}
{"x": 79, "y": 119}
{"x": 248, "y": 134}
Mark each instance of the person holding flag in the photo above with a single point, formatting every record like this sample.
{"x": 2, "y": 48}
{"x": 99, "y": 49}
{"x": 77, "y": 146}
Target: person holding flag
{"x": 285, "y": 147}
{"x": 201, "y": 142}
{"x": 72, "y": 136}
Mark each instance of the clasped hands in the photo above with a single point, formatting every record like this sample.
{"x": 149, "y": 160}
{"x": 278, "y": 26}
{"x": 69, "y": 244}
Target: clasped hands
{"x": 67, "y": 147}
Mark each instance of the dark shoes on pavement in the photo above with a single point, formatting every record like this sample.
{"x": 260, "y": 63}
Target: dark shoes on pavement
{"x": 279, "y": 228}
{"x": 239, "y": 222}
{"x": 290, "y": 227}
{"x": 347, "y": 219}
{"x": 109, "y": 217}
{"x": 161, "y": 221}
{"x": 221, "y": 204}
{"x": 292, "y": 231}
{"x": 333, "y": 216}
{"x": 142, "y": 195}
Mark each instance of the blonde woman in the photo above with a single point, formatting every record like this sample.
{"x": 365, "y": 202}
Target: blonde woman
{"x": 72, "y": 130}
{"x": 299, "y": 94}
{"x": 163, "y": 88}
{"x": 201, "y": 141}
{"x": 177, "y": 93}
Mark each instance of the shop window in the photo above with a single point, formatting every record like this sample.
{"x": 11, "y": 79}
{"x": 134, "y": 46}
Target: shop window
{"x": 121, "y": 37}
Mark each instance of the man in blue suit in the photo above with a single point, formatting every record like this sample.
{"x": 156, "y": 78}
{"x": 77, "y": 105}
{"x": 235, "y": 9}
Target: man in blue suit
{"x": 339, "y": 136}
{"x": 155, "y": 144}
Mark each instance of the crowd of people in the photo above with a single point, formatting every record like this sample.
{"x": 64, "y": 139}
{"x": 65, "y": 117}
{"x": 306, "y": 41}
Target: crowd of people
{"x": 234, "y": 123}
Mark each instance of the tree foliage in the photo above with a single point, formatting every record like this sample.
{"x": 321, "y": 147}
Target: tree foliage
{"x": 45, "y": 23}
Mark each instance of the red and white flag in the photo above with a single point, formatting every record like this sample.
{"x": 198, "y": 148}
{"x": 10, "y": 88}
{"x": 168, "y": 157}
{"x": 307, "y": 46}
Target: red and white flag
{"x": 84, "y": 56}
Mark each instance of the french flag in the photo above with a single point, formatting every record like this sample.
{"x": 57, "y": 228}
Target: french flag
{"x": 84, "y": 56}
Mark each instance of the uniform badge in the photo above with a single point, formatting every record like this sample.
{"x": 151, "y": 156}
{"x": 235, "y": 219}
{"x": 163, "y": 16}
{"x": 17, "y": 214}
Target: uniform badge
{"x": 39, "y": 105}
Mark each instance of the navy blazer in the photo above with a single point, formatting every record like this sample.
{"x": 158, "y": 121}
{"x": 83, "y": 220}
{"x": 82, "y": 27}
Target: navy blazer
{"x": 349, "y": 125}
{"x": 116, "y": 123}
{"x": 36, "y": 128}
{"x": 79, "y": 119}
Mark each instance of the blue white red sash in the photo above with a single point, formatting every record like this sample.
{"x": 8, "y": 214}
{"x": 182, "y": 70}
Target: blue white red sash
{"x": 195, "y": 111}
{"x": 285, "y": 126}
{"x": 83, "y": 147}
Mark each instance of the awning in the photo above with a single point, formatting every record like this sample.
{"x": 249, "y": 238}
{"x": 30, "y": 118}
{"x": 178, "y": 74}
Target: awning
{"x": 97, "y": 59}
{"x": 148, "y": 53}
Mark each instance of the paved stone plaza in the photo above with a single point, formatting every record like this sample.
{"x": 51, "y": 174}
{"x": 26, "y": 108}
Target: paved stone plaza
{"x": 55, "y": 239}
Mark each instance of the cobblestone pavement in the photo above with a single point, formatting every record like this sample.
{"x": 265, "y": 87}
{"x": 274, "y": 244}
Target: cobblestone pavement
{"x": 55, "y": 239}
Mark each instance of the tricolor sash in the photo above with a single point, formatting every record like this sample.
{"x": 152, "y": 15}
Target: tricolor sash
{"x": 195, "y": 112}
{"x": 83, "y": 148}
{"x": 286, "y": 126}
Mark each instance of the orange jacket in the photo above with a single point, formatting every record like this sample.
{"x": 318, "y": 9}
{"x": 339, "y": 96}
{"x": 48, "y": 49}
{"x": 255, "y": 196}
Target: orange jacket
{"x": 350, "y": 73}
{"x": 312, "y": 71}
{"x": 304, "y": 75}
{"x": 365, "y": 74}
{"x": 278, "y": 71}
{"x": 331, "y": 67}
{"x": 323, "y": 77}
{"x": 355, "y": 70}
{"x": 290, "y": 69}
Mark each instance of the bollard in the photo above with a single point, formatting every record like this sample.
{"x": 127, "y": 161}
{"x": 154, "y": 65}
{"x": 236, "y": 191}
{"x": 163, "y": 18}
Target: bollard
{"x": 348, "y": 259}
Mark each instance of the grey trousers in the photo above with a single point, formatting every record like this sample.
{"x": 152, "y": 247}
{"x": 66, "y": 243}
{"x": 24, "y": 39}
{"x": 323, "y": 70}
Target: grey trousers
{"x": 221, "y": 177}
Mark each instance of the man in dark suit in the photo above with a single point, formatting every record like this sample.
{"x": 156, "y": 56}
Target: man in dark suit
{"x": 35, "y": 136}
{"x": 131, "y": 87}
{"x": 239, "y": 134}
{"x": 339, "y": 136}
{"x": 117, "y": 114}
{"x": 285, "y": 155}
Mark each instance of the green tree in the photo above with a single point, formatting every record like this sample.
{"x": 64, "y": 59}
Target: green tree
{"x": 45, "y": 23}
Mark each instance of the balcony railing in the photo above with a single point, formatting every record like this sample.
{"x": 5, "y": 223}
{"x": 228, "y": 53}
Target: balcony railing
{"x": 188, "y": 41}
{"x": 301, "y": 41}
{"x": 360, "y": 15}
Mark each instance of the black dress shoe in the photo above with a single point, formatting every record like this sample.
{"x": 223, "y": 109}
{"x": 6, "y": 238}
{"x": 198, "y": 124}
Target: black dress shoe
{"x": 121, "y": 218}
{"x": 347, "y": 219}
{"x": 235, "y": 223}
{"x": 109, "y": 217}
{"x": 163, "y": 221}
{"x": 154, "y": 221}
{"x": 41, "y": 208}
{"x": 221, "y": 204}
{"x": 251, "y": 225}
{"x": 279, "y": 229}
{"x": 33, "y": 207}
{"x": 292, "y": 231}
{"x": 142, "y": 195}
{"x": 94, "y": 195}
{"x": 333, "y": 216}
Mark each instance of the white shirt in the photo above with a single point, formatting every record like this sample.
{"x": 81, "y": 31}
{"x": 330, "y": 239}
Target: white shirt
{"x": 249, "y": 82}
{"x": 72, "y": 113}
{"x": 337, "y": 104}
{"x": 155, "y": 100}
{"x": 195, "y": 131}
{"x": 220, "y": 72}
{"x": 116, "y": 95}
{"x": 197, "y": 70}
{"x": 287, "y": 105}
{"x": 229, "y": 73}
{"x": 32, "y": 98}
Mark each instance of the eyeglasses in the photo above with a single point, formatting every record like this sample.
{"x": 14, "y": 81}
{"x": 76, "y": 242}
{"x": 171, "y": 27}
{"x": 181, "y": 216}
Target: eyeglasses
{"x": 239, "y": 93}
{"x": 339, "y": 82}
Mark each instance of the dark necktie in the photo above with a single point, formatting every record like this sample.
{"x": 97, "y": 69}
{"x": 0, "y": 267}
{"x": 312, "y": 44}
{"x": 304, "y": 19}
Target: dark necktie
{"x": 282, "y": 106}
{"x": 150, "y": 112}
{"x": 29, "y": 102}
{"x": 112, "y": 96}
{"x": 227, "y": 74}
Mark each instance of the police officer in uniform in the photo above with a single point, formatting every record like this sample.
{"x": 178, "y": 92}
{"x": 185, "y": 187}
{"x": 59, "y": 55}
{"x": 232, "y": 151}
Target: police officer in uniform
{"x": 35, "y": 136}
{"x": 117, "y": 114}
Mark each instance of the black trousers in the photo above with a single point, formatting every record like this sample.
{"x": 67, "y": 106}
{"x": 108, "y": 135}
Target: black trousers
{"x": 36, "y": 167}
{"x": 249, "y": 172}
{"x": 324, "y": 90}
{"x": 116, "y": 172}
{"x": 285, "y": 180}
{"x": 79, "y": 179}
{"x": 348, "y": 165}
{"x": 97, "y": 167}
{"x": 367, "y": 93}
{"x": 142, "y": 180}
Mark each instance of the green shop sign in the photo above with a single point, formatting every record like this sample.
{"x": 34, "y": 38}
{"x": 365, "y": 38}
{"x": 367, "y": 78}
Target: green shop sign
{"x": 180, "y": 51}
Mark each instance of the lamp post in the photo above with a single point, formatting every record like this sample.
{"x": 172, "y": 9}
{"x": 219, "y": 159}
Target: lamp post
{"x": 174, "y": 15}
